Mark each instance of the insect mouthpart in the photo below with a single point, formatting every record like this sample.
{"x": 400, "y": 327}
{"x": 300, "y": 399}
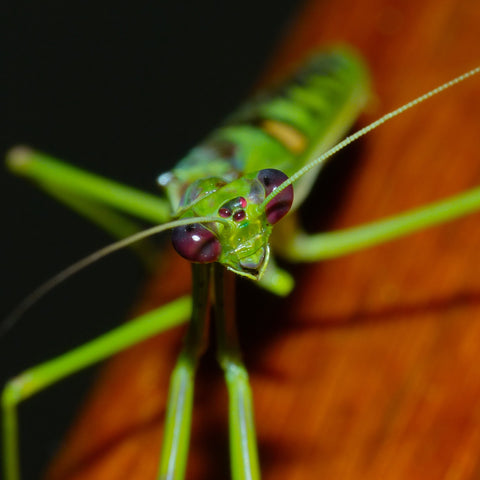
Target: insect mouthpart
{"x": 253, "y": 262}
{"x": 253, "y": 265}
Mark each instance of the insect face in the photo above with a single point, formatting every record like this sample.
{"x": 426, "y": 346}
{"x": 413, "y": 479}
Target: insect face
{"x": 242, "y": 243}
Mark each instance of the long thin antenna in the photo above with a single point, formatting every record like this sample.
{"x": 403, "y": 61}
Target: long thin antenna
{"x": 360, "y": 133}
{"x": 71, "y": 270}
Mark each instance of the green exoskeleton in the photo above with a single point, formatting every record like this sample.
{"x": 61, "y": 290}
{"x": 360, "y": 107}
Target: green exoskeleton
{"x": 223, "y": 202}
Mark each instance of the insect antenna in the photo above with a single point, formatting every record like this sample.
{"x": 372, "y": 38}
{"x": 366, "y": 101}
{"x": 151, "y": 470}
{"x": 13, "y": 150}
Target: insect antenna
{"x": 44, "y": 288}
{"x": 363, "y": 131}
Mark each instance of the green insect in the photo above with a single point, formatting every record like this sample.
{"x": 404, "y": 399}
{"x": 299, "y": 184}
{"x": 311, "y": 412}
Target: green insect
{"x": 223, "y": 202}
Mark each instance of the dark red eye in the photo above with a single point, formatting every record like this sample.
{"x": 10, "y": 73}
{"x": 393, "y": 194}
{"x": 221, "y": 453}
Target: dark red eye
{"x": 279, "y": 206}
{"x": 196, "y": 243}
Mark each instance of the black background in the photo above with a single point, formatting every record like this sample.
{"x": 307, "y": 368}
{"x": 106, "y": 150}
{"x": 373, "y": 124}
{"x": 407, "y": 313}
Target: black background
{"x": 124, "y": 90}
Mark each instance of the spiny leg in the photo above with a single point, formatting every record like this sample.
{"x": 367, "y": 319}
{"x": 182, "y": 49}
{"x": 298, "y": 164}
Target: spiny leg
{"x": 243, "y": 442}
{"x": 37, "y": 378}
{"x": 176, "y": 437}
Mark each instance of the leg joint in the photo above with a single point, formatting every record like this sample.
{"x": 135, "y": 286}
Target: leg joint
{"x": 16, "y": 390}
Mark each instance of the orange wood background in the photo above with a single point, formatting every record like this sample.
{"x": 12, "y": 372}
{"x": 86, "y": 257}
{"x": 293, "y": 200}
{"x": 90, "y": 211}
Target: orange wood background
{"x": 370, "y": 370}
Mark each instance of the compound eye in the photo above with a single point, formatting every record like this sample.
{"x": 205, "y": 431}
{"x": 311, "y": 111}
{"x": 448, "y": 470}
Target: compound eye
{"x": 279, "y": 206}
{"x": 196, "y": 243}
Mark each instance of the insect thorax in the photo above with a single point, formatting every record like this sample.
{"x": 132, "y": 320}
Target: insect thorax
{"x": 278, "y": 130}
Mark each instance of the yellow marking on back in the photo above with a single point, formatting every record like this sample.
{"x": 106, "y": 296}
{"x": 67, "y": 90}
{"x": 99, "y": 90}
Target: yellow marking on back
{"x": 287, "y": 135}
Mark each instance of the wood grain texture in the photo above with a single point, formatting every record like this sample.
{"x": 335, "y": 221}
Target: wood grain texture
{"x": 369, "y": 370}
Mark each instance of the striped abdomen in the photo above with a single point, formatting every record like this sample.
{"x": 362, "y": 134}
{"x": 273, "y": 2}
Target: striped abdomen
{"x": 283, "y": 127}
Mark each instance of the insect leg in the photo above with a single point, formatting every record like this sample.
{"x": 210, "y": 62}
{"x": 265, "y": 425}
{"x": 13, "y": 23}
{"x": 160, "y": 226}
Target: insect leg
{"x": 276, "y": 280}
{"x": 55, "y": 176}
{"x": 37, "y": 378}
{"x": 301, "y": 247}
{"x": 243, "y": 442}
{"x": 180, "y": 397}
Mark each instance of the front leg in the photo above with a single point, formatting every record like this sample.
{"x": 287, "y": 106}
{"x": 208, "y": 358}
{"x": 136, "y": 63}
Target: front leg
{"x": 84, "y": 191}
{"x": 243, "y": 441}
{"x": 176, "y": 438}
{"x": 41, "y": 376}
{"x": 296, "y": 245}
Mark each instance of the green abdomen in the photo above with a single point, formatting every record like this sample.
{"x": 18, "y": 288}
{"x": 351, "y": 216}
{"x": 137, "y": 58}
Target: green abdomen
{"x": 283, "y": 127}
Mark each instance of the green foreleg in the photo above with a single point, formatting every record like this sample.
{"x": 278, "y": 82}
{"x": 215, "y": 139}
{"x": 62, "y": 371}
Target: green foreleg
{"x": 276, "y": 280}
{"x": 243, "y": 441}
{"x": 176, "y": 438}
{"x": 52, "y": 174}
{"x": 113, "y": 222}
{"x": 302, "y": 247}
{"x": 37, "y": 378}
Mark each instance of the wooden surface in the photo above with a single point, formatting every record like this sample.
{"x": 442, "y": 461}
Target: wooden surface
{"x": 370, "y": 369}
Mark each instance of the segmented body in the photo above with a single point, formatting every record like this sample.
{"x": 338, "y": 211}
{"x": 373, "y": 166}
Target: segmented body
{"x": 281, "y": 128}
